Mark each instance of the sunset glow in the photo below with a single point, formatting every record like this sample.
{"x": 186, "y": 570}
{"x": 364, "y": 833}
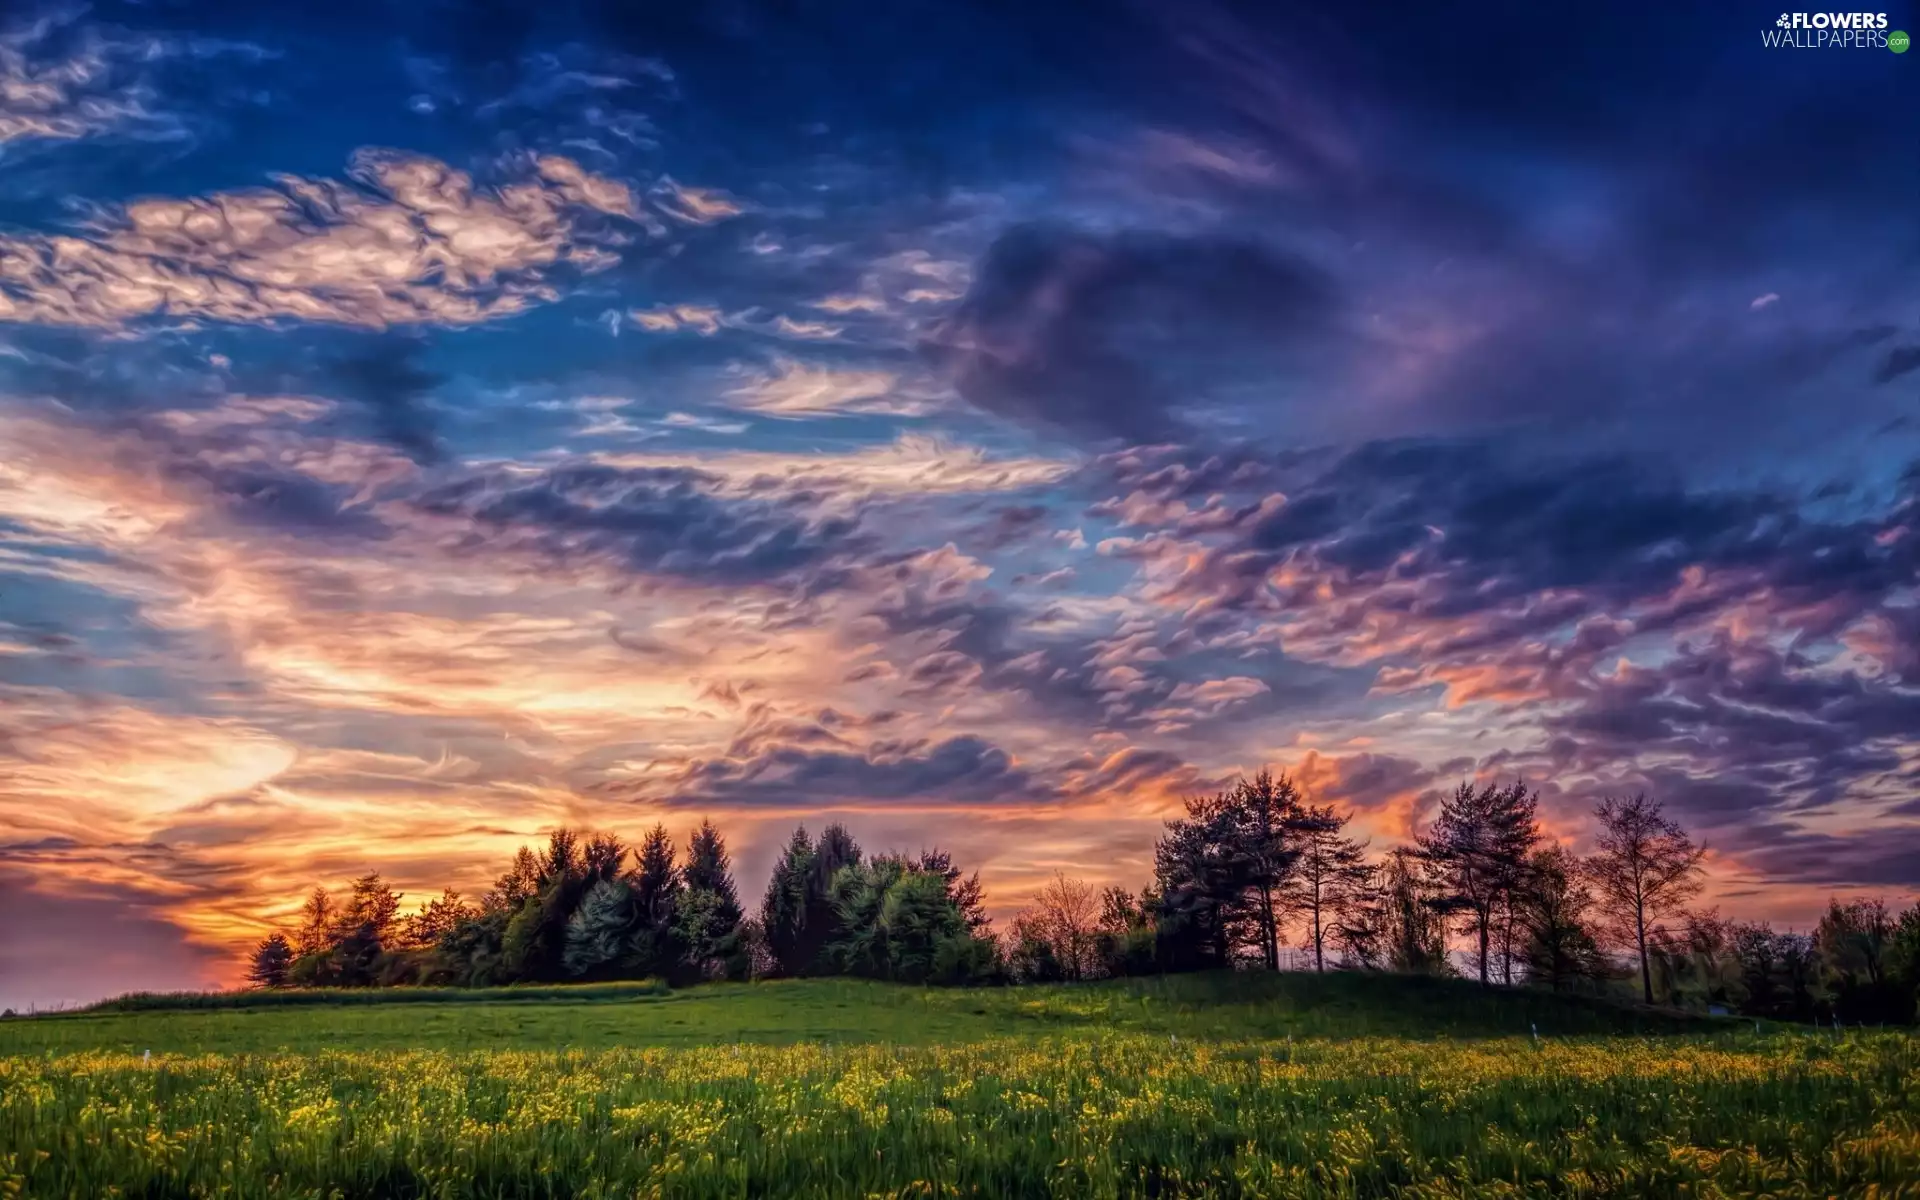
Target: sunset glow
{"x": 595, "y": 422}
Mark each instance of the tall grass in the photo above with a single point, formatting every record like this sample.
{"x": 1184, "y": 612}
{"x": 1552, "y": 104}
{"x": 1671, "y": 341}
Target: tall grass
{"x": 1083, "y": 1116}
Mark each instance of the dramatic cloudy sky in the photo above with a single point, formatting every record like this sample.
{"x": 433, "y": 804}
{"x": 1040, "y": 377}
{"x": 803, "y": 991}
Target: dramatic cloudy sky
{"x": 422, "y": 425}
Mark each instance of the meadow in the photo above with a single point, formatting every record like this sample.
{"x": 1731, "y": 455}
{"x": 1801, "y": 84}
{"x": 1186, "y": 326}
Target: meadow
{"x": 1224, "y": 1085}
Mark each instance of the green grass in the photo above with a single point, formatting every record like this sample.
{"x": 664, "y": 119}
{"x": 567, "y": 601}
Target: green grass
{"x": 1239, "y": 1085}
{"x": 339, "y": 997}
{"x": 1246, "y": 1005}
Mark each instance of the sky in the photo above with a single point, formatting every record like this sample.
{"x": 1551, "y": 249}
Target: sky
{"x": 984, "y": 424}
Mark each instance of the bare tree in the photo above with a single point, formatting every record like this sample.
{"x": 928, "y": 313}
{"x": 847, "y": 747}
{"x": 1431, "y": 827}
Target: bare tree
{"x": 1645, "y": 871}
{"x": 1068, "y": 912}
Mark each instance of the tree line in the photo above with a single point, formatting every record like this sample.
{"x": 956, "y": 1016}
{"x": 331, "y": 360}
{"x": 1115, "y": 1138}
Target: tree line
{"x": 590, "y": 908}
{"x": 1241, "y": 874}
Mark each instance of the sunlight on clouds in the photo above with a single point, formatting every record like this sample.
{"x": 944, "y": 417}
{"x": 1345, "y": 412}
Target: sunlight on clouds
{"x": 406, "y": 240}
{"x": 99, "y": 86}
{"x": 46, "y": 485}
{"x": 910, "y": 464}
{"x": 76, "y": 770}
{"x": 693, "y": 205}
{"x": 797, "y": 389}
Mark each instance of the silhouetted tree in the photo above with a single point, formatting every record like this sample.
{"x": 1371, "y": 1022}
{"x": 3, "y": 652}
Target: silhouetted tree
{"x": 271, "y": 958}
{"x": 563, "y": 858}
{"x": 1266, "y": 817}
{"x": 1125, "y": 937}
{"x": 1204, "y": 876}
{"x": 783, "y": 910}
{"x": 1328, "y": 873}
{"x": 1476, "y": 853}
{"x": 1644, "y": 871}
{"x": 1556, "y": 944}
{"x": 1853, "y": 942}
{"x": 435, "y": 920}
{"x": 1360, "y": 930}
{"x": 1030, "y": 956}
{"x": 1413, "y": 931}
{"x": 316, "y": 924}
{"x": 519, "y": 884}
{"x": 1776, "y": 972}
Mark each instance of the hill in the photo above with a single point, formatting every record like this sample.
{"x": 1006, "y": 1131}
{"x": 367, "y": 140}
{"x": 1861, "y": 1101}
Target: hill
{"x": 1220, "y": 1006}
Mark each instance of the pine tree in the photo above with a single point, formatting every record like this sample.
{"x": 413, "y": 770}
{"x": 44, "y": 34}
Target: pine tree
{"x": 436, "y": 919}
{"x": 1265, "y": 815}
{"x": 1327, "y": 875}
{"x": 657, "y": 890}
{"x": 271, "y": 959}
{"x": 1204, "y": 879}
{"x": 709, "y": 869}
{"x": 316, "y": 924}
{"x": 709, "y": 921}
{"x": 1476, "y": 855}
{"x": 369, "y": 912}
{"x": 603, "y": 858}
{"x": 783, "y": 911}
{"x": 1556, "y": 945}
{"x": 601, "y": 933}
{"x": 511, "y": 890}
{"x": 834, "y": 852}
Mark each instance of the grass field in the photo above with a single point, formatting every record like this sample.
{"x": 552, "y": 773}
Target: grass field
{"x": 1242, "y": 1085}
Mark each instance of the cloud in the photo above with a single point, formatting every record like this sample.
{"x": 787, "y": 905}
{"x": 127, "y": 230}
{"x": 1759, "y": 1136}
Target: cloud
{"x": 964, "y": 770}
{"x": 387, "y": 379}
{"x": 404, "y": 241}
{"x": 663, "y": 521}
{"x": 60, "y": 82}
{"x": 1059, "y": 328}
{"x": 699, "y": 318}
{"x": 912, "y": 464}
{"x": 693, "y": 205}
{"x": 796, "y": 389}
{"x": 1760, "y": 302}
{"x": 1899, "y": 361}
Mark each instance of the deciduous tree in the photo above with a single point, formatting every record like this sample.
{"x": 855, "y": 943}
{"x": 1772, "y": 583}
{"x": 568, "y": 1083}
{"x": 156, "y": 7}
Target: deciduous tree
{"x": 1644, "y": 871}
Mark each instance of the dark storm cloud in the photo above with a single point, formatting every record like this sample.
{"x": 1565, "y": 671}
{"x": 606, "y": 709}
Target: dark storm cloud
{"x": 663, "y": 520}
{"x": 1088, "y": 333}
